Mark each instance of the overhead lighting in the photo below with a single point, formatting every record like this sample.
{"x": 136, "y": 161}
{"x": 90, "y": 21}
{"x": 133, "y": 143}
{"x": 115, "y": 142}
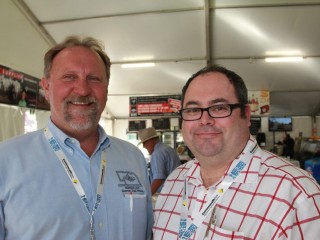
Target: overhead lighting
{"x": 284, "y": 59}
{"x": 138, "y": 65}
{"x": 284, "y": 53}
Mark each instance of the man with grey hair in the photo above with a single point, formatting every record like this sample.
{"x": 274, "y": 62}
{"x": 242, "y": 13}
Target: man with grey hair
{"x": 71, "y": 180}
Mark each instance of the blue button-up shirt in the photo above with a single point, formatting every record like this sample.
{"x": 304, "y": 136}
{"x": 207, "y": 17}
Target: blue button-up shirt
{"x": 164, "y": 160}
{"x": 38, "y": 201}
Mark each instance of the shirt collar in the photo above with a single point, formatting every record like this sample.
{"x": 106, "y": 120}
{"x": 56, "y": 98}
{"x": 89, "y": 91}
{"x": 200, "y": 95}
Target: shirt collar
{"x": 62, "y": 138}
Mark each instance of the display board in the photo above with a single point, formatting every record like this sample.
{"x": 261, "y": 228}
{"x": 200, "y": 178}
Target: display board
{"x": 137, "y": 125}
{"x": 255, "y": 125}
{"x": 161, "y": 124}
{"x": 280, "y": 124}
{"x": 168, "y": 105}
{"x": 17, "y": 88}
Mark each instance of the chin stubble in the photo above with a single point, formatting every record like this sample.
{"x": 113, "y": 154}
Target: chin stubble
{"x": 81, "y": 119}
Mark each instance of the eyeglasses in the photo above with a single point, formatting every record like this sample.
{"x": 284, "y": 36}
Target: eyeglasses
{"x": 215, "y": 111}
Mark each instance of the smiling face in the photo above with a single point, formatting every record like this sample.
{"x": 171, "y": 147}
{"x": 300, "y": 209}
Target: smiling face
{"x": 76, "y": 89}
{"x": 214, "y": 137}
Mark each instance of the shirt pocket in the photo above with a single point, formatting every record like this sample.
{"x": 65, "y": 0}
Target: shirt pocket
{"x": 223, "y": 234}
{"x": 137, "y": 211}
{"x": 135, "y": 201}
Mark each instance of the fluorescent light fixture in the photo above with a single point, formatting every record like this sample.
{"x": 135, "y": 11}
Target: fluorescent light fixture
{"x": 284, "y": 53}
{"x": 138, "y": 65}
{"x": 284, "y": 59}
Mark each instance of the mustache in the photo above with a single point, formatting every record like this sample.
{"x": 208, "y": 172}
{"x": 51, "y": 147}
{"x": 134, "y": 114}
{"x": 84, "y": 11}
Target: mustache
{"x": 81, "y": 99}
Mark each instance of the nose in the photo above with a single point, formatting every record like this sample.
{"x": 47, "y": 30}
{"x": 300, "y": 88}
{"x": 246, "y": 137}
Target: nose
{"x": 82, "y": 87}
{"x": 206, "y": 119}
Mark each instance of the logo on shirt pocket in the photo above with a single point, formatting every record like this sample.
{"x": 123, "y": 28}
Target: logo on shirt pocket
{"x": 129, "y": 183}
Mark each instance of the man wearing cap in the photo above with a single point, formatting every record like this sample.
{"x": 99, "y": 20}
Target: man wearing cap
{"x": 163, "y": 158}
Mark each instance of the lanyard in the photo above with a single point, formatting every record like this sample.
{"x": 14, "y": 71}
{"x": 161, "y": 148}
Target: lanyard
{"x": 199, "y": 216}
{"x": 75, "y": 180}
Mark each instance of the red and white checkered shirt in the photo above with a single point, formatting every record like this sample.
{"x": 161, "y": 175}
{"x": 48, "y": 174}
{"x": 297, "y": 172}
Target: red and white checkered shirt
{"x": 270, "y": 199}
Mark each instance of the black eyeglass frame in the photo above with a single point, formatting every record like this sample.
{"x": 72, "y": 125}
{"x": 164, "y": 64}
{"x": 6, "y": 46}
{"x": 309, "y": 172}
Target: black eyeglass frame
{"x": 232, "y": 106}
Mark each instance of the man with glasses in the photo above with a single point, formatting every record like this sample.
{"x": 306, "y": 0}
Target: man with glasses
{"x": 233, "y": 189}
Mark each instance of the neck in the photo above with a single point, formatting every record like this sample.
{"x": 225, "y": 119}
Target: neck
{"x": 211, "y": 173}
{"x": 88, "y": 145}
{"x": 88, "y": 140}
{"x": 214, "y": 167}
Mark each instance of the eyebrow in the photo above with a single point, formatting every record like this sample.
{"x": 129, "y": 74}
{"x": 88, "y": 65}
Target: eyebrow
{"x": 214, "y": 101}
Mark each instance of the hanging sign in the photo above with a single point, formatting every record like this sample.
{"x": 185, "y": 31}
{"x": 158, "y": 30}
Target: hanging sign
{"x": 155, "y": 105}
{"x": 259, "y": 102}
{"x": 17, "y": 88}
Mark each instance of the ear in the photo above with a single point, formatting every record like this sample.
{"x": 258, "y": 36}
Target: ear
{"x": 45, "y": 85}
{"x": 248, "y": 114}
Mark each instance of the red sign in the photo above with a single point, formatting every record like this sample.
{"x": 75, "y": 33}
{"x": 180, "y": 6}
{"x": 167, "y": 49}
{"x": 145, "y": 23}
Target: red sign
{"x": 155, "y": 105}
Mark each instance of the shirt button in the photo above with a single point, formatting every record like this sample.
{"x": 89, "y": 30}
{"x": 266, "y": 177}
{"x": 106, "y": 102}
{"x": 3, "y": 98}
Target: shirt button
{"x": 100, "y": 224}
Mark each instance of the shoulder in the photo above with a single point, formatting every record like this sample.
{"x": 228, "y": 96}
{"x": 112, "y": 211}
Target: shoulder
{"x": 163, "y": 148}
{"x": 175, "y": 181}
{"x": 117, "y": 142}
{"x": 22, "y": 151}
{"x": 291, "y": 175}
{"x": 123, "y": 148}
{"x": 182, "y": 171}
{"x": 22, "y": 141}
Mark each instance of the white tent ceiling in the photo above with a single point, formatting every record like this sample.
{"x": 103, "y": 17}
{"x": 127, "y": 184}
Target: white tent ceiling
{"x": 181, "y": 36}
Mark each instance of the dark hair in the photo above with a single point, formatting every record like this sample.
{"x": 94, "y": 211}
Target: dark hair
{"x": 72, "y": 41}
{"x": 237, "y": 82}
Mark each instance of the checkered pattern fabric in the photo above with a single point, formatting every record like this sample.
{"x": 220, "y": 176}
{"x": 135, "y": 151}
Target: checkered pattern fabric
{"x": 270, "y": 199}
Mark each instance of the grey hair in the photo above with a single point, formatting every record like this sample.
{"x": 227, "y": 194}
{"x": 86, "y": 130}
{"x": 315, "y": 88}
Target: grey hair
{"x": 72, "y": 41}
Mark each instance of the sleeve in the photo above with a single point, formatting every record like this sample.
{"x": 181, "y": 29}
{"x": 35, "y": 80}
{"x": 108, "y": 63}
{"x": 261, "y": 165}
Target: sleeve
{"x": 307, "y": 218}
{"x": 158, "y": 165}
{"x": 148, "y": 197}
{"x": 2, "y": 229}
{"x": 149, "y": 206}
{"x": 141, "y": 162}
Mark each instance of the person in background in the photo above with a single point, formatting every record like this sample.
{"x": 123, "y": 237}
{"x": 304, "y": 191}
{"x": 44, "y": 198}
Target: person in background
{"x": 297, "y": 146}
{"x": 23, "y": 99}
{"x": 261, "y": 139}
{"x": 163, "y": 158}
{"x": 288, "y": 146}
{"x": 233, "y": 189}
{"x": 71, "y": 180}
